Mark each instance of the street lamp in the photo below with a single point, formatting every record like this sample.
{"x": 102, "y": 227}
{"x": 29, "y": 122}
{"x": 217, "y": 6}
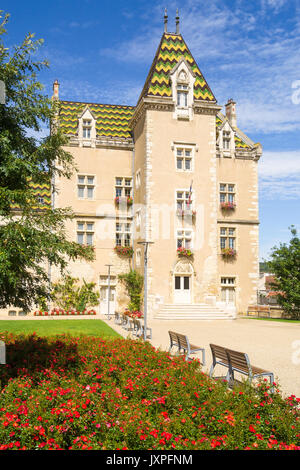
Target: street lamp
{"x": 145, "y": 243}
{"x": 108, "y": 291}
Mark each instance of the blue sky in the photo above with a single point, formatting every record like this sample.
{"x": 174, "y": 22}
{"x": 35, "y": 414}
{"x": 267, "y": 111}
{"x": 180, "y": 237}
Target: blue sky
{"x": 101, "y": 51}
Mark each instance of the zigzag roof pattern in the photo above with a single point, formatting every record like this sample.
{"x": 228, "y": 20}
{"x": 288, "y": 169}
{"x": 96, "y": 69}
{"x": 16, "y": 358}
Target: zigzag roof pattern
{"x": 111, "y": 120}
{"x": 239, "y": 142}
{"x": 42, "y": 193}
{"x": 171, "y": 50}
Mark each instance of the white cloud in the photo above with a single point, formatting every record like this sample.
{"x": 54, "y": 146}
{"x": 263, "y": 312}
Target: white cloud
{"x": 279, "y": 175}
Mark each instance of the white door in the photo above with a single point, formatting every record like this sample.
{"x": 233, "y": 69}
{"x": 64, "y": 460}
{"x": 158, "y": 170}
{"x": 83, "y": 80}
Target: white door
{"x": 182, "y": 289}
{"x": 104, "y": 300}
{"x": 228, "y": 295}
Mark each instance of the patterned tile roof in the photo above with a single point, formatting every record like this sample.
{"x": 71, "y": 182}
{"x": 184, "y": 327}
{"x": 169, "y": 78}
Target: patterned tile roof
{"x": 111, "y": 120}
{"x": 42, "y": 193}
{"x": 171, "y": 50}
{"x": 239, "y": 143}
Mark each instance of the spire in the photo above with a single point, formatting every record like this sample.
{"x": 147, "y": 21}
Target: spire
{"x": 177, "y": 21}
{"x": 166, "y": 20}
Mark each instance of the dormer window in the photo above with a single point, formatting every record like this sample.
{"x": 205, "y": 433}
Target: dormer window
{"x": 183, "y": 79}
{"x": 182, "y": 95}
{"x": 226, "y": 140}
{"x": 86, "y": 128}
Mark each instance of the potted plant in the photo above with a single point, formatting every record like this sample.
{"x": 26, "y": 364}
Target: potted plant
{"x": 227, "y": 206}
{"x": 184, "y": 252}
{"x": 228, "y": 253}
{"x": 124, "y": 250}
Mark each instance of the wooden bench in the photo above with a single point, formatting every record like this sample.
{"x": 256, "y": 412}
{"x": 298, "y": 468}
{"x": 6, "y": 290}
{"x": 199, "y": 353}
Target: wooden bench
{"x": 236, "y": 361}
{"x": 257, "y": 309}
{"x": 2, "y": 353}
{"x": 182, "y": 343}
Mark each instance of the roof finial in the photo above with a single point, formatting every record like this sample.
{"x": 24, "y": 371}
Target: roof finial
{"x": 177, "y": 21}
{"x": 166, "y": 20}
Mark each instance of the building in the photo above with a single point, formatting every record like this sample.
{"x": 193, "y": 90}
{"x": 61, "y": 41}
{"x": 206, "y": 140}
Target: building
{"x": 172, "y": 170}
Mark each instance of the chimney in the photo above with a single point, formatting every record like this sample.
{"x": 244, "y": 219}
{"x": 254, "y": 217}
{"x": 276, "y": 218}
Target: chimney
{"x": 177, "y": 21}
{"x": 231, "y": 112}
{"x": 166, "y": 20}
{"x": 55, "y": 90}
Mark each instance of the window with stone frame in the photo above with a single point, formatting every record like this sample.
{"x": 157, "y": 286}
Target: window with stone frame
{"x": 85, "y": 233}
{"x": 183, "y": 200}
{"x": 228, "y": 287}
{"x": 184, "y": 238}
{"x": 226, "y": 140}
{"x": 86, "y": 128}
{"x": 227, "y": 192}
{"x": 123, "y": 233}
{"x": 85, "y": 186}
{"x": 123, "y": 186}
{"x": 227, "y": 238}
{"x": 184, "y": 158}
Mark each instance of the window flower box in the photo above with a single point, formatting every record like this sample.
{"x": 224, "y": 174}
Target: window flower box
{"x": 124, "y": 250}
{"x": 228, "y": 253}
{"x": 184, "y": 252}
{"x": 124, "y": 200}
{"x": 227, "y": 206}
{"x": 186, "y": 213}
{"x": 134, "y": 314}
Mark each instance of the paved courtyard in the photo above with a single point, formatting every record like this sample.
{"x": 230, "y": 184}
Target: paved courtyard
{"x": 269, "y": 345}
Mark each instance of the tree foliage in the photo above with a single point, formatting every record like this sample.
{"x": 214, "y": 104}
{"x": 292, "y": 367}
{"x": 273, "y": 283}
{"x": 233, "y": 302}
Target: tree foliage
{"x": 285, "y": 265}
{"x": 30, "y": 239}
{"x": 134, "y": 285}
{"x": 67, "y": 294}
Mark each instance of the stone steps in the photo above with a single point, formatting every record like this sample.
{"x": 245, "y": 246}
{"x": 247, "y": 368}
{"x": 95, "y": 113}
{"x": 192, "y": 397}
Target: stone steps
{"x": 193, "y": 312}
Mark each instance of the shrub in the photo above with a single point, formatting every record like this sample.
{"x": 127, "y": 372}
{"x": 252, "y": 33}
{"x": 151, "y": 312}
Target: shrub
{"x": 134, "y": 285}
{"x": 87, "y": 393}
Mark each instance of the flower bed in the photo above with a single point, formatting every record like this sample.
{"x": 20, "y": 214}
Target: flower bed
{"x": 61, "y": 311}
{"x": 184, "y": 252}
{"x": 89, "y": 393}
{"x": 124, "y": 250}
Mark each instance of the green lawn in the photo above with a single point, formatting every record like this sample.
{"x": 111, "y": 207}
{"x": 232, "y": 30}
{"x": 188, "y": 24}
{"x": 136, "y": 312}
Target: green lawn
{"x": 54, "y": 327}
{"x": 283, "y": 320}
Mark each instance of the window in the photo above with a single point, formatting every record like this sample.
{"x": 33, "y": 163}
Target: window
{"x": 182, "y": 95}
{"x": 41, "y": 200}
{"x": 184, "y": 239}
{"x": 86, "y": 128}
{"x": 227, "y": 238}
{"x": 123, "y": 187}
{"x": 123, "y": 234}
{"x": 228, "y": 290}
{"x": 85, "y": 233}
{"x": 226, "y": 140}
{"x": 138, "y": 179}
{"x": 227, "y": 193}
{"x": 85, "y": 186}
{"x": 183, "y": 200}
{"x": 184, "y": 159}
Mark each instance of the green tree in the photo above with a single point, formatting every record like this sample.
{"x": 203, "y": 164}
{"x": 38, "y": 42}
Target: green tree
{"x": 30, "y": 239}
{"x": 67, "y": 294}
{"x": 285, "y": 265}
{"x": 134, "y": 285}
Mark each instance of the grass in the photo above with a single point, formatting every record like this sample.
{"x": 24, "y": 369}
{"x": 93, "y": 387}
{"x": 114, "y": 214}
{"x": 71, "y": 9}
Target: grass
{"x": 283, "y": 320}
{"x": 55, "y": 327}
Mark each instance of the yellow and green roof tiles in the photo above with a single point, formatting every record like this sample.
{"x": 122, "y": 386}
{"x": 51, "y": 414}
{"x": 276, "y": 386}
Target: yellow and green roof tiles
{"x": 171, "y": 50}
{"x": 111, "y": 120}
{"x": 239, "y": 143}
